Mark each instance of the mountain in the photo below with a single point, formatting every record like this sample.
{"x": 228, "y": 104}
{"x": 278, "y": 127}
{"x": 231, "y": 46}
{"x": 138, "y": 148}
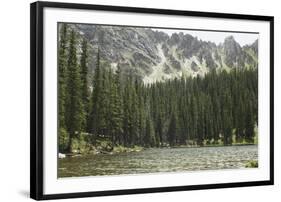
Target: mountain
{"x": 155, "y": 56}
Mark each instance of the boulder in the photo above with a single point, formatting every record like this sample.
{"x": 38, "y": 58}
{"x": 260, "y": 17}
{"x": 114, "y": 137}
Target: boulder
{"x": 61, "y": 156}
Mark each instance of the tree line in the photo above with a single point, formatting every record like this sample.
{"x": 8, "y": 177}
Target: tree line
{"x": 219, "y": 108}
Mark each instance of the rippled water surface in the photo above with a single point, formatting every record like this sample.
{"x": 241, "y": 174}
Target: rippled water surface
{"x": 158, "y": 160}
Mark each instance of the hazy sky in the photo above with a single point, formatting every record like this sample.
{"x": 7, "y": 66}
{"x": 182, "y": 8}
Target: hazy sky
{"x": 216, "y": 37}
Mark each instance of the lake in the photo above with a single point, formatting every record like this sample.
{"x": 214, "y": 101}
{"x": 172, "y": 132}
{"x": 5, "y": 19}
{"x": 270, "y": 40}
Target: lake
{"x": 159, "y": 160}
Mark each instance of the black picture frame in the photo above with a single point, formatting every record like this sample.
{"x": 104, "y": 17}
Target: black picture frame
{"x": 37, "y": 101}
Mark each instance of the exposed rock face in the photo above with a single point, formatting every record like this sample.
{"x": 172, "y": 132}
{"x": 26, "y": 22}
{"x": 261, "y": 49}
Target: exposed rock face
{"x": 194, "y": 66}
{"x": 234, "y": 56}
{"x": 154, "y": 56}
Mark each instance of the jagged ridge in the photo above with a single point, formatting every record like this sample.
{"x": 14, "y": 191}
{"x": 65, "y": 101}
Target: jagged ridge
{"x": 155, "y": 56}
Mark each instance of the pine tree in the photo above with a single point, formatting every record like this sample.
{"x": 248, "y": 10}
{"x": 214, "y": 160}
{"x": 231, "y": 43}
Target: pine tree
{"x": 74, "y": 105}
{"x": 173, "y": 130}
{"x": 127, "y": 121}
{"x": 194, "y": 119}
{"x": 249, "y": 124}
{"x": 103, "y": 104}
{"x": 240, "y": 120}
{"x": 201, "y": 121}
{"x": 149, "y": 138}
{"x": 94, "y": 100}
{"x": 84, "y": 78}
{"x": 142, "y": 120}
{"x": 62, "y": 66}
{"x": 135, "y": 113}
{"x": 216, "y": 119}
{"x": 159, "y": 130}
{"x": 115, "y": 109}
{"x": 227, "y": 125}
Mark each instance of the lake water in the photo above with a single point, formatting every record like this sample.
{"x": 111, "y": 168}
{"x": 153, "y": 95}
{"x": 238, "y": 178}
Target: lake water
{"x": 159, "y": 160}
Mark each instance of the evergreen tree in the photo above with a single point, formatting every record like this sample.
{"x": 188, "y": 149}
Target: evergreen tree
{"x": 201, "y": 121}
{"x": 62, "y": 66}
{"x": 128, "y": 114}
{"x": 74, "y": 105}
{"x": 227, "y": 119}
{"x": 103, "y": 103}
{"x": 159, "y": 130}
{"x": 194, "y": 120}
{"x": 134, "y": 130}
{"x": 173, "y": 130}
{"x": 115, "y": 109}
{"x": 94, "y": 115}
{"x": 149, "y": 137}
{"x": 103, "y": 99}
{"x": 142, "y": 120}
{"x": 240, "y": 120}
{"x": 84, "y": 78}
{"x": 249, "y": 124}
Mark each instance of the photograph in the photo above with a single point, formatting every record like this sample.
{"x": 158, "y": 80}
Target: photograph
{"x": 136, "y": 100}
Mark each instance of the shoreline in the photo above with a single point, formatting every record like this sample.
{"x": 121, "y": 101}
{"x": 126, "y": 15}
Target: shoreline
{"x": 121, "y": 149}
{"x": 216, "y": 145}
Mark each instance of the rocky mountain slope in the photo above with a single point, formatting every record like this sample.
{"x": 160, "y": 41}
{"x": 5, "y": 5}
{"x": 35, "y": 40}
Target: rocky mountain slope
{"x": 155, "y": 56}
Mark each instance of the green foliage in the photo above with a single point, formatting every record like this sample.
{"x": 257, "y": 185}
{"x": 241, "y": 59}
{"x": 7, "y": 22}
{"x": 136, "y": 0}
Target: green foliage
{"x": 63, "y": 140}
{"x": 74, "y": 113}
{"x": 149, "y": 138}
{"x": 122, "y": 149}
{"x": 62, "y": 66}
{"x": 252, "y": 164}
{"x": 115, "y": 109}
{"x": 173, "y": 130}
{"x": 85, "y": 92}
{"x": 79, "y": 144}
{"x": 98, "y": 122}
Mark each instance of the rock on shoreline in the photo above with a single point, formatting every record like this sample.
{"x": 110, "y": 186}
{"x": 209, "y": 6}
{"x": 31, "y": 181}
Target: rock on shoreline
{"x": 61, "y": 156}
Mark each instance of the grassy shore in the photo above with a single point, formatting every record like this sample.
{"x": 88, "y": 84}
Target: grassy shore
{"x": 82, "y": 146}
{"x": 252, "y": 164}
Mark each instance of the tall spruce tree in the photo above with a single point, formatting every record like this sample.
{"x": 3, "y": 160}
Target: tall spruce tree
{"x": 103, "y": 102}
{"x": 173, "y": 130}
{"x": 62, "y": 66}
{"x": 115, "y": 109}
{"x": 149, "y": 138}
{"x": 141, "y": 118}
{"x": 159, "y": 130}
{"x": 74, "y": 105}
{"x": 84, "y": 78}
{"x": 249, "y": 124}
{"x": 227, "y": 124}
{"x": 94, "y": 102}
{"x": 127, "y": 121}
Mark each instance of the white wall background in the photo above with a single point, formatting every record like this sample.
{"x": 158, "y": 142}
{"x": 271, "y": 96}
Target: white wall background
{"x": 14, "y": 100}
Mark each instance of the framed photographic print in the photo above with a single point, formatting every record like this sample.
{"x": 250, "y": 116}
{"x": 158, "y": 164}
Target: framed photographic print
{"x": 135, "y": 100}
